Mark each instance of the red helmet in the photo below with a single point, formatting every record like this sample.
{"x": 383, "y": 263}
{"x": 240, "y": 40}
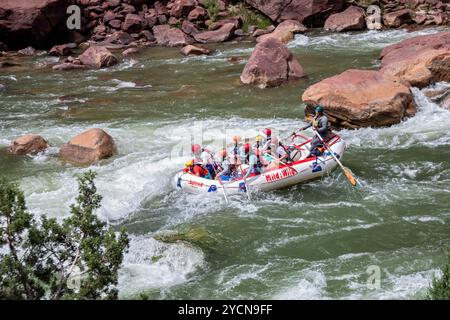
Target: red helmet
{"x": 267, "y": 132}
{"x": 246, "y": 147}
{"x": 196, "y": 148}
{"x": 223, "y": 153}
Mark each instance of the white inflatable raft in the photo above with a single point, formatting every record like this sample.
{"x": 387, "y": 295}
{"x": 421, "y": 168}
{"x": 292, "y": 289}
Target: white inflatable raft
{"x": 275, "y": 177}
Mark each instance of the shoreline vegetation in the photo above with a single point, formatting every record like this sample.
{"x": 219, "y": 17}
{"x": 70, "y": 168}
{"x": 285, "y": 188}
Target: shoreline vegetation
{"x": 76, "y": 258}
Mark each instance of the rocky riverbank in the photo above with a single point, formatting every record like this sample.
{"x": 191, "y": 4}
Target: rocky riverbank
{"x": 42, "y": 23}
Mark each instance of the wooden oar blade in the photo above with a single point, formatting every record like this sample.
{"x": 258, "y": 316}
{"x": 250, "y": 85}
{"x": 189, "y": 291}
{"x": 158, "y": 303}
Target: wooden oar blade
{"x": 351, "y": 178}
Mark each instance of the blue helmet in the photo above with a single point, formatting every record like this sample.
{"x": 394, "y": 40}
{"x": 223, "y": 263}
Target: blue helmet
{"x": 319, "y": 109}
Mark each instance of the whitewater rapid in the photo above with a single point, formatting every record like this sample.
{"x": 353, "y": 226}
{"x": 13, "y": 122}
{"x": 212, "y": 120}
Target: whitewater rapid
{"x": 137, "y": 184}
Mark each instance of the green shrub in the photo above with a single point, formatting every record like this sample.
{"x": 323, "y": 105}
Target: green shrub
{"x": 77, "y": 258}
{"x": 440, "y": 287}
{"x": 213, "y": 9}
{"x": 249, "y": 17}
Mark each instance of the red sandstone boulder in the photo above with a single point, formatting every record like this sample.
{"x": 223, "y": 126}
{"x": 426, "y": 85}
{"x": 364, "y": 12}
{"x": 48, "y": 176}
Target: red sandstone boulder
{"x": 88, "y": 147}
{"x": 170, "y": 37}
{"x": 67, "y": 66}
{"x": 197, "y": 14}
{"x": 219, "y": 24}
{"x": 309, "y": 12}
{"x": 133, "y": 23}
{"x": 194, "y": 50}
{"x": 284, "y": 32}
{"x": 28, "y": 144}
{"x": 361, "y": 98}
{"x": 39, "y": 23}
{"x": 181, "y": 8}
{"x": 397, "y": 18}
{"x": 284, "y": 36}
{"x": 418, "y": 61}
{"x": 62, "y": 50}
{"x": 98, "y": 57}
{"x": 219, "y": 35}
{"x": 189, "y": 28}
{"x": 292, "y": 26}
{"x": 351, "y": 19}
{"x": 271, "y": 64}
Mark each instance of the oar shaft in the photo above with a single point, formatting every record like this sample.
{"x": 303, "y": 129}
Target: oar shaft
{"x": 329, "y": 149}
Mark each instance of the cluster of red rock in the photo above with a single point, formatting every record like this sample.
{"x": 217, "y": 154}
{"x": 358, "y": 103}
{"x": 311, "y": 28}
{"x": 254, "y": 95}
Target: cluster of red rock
{"x": 421, "y": 12}
{"x": 38, "y": 23}
{"x": 394, "y": 14}
{"x": 172, "y": 23}
{"x": 362, "y": 98}
{"x": 86, "y": 148}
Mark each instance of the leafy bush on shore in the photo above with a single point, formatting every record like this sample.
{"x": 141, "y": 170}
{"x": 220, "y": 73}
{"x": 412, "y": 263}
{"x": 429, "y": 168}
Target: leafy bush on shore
{"x": 249, "y": 17}
{"x": 440, "y": 287}
{"x": 77, "y": 258}
{"x": 213, "y": 9}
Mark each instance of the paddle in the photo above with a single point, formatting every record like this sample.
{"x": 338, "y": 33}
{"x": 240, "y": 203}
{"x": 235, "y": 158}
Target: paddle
{"x": 223, "y": 190}
{"x": 236, "y": 140}
{"x": 220, "y": 181}
{"x": 347, "y": 171}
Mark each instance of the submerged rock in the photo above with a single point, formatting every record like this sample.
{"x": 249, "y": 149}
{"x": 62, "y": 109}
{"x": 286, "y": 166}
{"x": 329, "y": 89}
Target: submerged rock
{"x": 194, "y": 50}
{"x": 351, "y": 19}
{"x": 271, "y": 64}
{"x": 67, "y": 66}
{"x": 199, "y": 237}
{"x": 28, "y": 144}
{"x": 62, "y": 49}
{"x": 130, "y": 51}
{"x": 361, "y": 98}
{"x": 418, "y": 61}
{"x": 98, "y": 57}
{"x": 28, "y": 51}
{"x": 88, "y": 147}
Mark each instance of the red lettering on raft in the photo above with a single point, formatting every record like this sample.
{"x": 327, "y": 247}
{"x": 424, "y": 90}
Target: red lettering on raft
{"x": 195, "y": 184}
{"x": 280, "y": 175}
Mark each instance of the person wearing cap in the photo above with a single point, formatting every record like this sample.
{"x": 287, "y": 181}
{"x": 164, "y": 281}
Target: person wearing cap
{"x": 267, "y": 141}
{"x": 319, "y": 124}
{"x": 256, "y": 163}
{"x": 281, "y": 152}
{"x": 244, "y": 153}
{"x": 229, "y": 168}
{"x": 207, "y": 161}
{"x": 197, "y": 151}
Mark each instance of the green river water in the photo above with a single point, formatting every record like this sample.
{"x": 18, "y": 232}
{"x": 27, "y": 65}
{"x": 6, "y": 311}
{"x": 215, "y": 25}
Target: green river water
{"x": 311, "y": 241}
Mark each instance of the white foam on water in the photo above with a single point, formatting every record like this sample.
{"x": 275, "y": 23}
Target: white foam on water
{"x": 415, "y": 219}
{"x": 358, "y": 41}
{"x": 312, "y": 286}
{"x": 233, "y": 276}
{"x": 394, "y": 287}
{"x": 429, "y": 127}
{"x": 151, "y": 264}
{"x": 9, "y": 77}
